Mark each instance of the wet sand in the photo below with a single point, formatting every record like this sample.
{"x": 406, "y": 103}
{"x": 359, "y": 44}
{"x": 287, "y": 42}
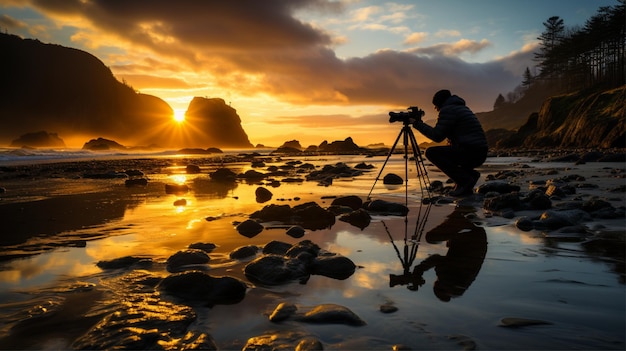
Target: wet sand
{"x": 486, "y": 284}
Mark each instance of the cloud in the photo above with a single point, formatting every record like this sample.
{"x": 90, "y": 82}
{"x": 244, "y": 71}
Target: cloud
{"x": 10, "y": 22}
{"x": 262, "y": 48}
{"x": 415, "y": 38}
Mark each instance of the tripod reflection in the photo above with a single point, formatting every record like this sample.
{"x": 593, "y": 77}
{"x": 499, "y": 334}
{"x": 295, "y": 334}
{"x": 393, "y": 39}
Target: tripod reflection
{"x": 457, "y": 270}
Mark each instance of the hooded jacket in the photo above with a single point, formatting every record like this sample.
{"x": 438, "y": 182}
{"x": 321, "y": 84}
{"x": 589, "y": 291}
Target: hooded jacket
{"x": 457, "y": 123}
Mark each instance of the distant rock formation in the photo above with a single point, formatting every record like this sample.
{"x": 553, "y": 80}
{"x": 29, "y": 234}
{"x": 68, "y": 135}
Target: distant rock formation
{"x": 219, "y": 122}
{"x": 102, "y": 144}
{"x": 51, "y": 87}
{"x": 39, "y": 139}
{"x": 294, "y": 144}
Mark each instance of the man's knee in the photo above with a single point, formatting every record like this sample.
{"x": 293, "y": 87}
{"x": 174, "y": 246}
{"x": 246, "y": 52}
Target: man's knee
{"x": 435, "y": 153}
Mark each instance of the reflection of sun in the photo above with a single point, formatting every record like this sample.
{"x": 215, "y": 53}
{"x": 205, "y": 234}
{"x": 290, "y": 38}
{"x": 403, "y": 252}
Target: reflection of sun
{"x": 179, "y": 116}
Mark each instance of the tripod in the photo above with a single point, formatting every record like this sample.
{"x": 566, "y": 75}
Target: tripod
{"x": 422, "y": 175}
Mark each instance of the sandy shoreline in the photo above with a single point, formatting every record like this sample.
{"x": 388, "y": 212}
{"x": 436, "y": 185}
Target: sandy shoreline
{"x": 53, "y": 207}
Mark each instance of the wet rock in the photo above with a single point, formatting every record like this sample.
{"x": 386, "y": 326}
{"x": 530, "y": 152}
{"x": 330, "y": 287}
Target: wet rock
{"x": 262, "y": 195}
{"x": 503, "y": 201}
{"x": 552, "y": 219}
{"x": 436, "y": 186}
{"x": 363, "y": 165}
{"x": 359, "y": 218}
{"x": 312, "y": 216}
{"x": 206, "y": 247}
{"x": 223, "y": 175}
{"x": 393, "y": 179}
{"x": 176, "y": 188}
{"x": 142, "y": 323}
{"x": 330, "y": 314}
{"x": 291, "y": 340}
{"x": 595, "y": 204}
{"x": 333, "y": 266}
{"x": 252, "y": 174}
{"x": 124, "y": 262}
{"x": 497, "y": 186}
{"x": 537, "y": 200}
{"x": 192, "y": 169}
{"x": 198, "y": 286}
{"x": 180, "y": 202}
{"x": 249, "y": 228}
{"x": 525, "y": 224}
{"x": 276, "y": 247}
{"x": 275, "y": 270}
{"x": 352, "y": 201}
{"x": 244, "y": 252}
{"x": 296, "y": 231}
{"x": 179, "y": 260}
{"x": 388, "y": 308}
{"x": 386, "y": 207}
{"x": 282, "y": 312}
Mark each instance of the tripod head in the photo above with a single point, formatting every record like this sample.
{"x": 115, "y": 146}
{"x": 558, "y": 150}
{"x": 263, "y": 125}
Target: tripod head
{"x": 413, "y": 112}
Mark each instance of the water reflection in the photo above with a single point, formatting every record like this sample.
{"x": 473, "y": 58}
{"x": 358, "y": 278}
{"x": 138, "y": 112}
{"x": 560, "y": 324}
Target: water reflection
{"x": 457, "y": 269}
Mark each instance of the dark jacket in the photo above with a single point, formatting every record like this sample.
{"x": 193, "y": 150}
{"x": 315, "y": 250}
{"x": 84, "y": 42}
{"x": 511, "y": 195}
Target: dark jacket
{"x": 457, "y": 123}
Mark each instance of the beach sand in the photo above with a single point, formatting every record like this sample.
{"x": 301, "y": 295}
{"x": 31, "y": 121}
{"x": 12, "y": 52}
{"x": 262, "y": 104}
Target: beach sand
{"x": 534, "y": 289}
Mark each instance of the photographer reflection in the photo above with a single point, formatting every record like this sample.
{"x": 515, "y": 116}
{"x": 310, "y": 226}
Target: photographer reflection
{"x": 467, "y": 147}
{"x": 467, "y": 247}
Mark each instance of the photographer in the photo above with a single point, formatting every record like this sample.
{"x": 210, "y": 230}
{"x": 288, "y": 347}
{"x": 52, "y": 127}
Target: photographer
{"x": 467, "y": 147}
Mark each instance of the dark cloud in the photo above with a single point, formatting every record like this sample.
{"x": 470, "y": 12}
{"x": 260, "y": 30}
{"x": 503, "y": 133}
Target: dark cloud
{"x": 289, "y": 58}
{"x": 9, "y": 22}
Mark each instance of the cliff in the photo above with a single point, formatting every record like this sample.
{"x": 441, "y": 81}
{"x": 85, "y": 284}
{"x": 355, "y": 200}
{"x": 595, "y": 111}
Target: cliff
{"x": 70, "y": 92}
{"x": 587, "y": 119}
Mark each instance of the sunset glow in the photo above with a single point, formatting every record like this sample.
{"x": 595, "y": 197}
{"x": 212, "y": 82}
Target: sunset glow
{"x": 310, "y": 70}
{"x": 179, "y": 116}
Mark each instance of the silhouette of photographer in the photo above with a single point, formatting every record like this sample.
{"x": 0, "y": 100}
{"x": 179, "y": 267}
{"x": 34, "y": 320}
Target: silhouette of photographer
{"x": 467, "y": 147}
{"x": 467, "y": 247}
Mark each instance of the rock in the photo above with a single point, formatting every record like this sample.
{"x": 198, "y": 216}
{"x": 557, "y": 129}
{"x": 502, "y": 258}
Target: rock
{"x": 192, "y": 169}
{"x": 39, "y": 139}
{"x": 295, "y": 231}
{"x": 331, "y": 314}
{"x": 595, "y": 204}
{"x": 251, "y": 174}
{"x": 272, "y": 212}
{"x": 386, "y": 207}
{"x": 262, "y": 195}
{"x": 352, "y": 201}
{"x": 552, "y": 219}
{"x": 206, "y": 247}
{"x": 525, "y": 224}
{"x": 537, "y": 200}
{"x": 199, "y": 286}
{"x": 243, "y": 252}
{"x": 503, "y": 201}
{"x": 123, "y": 262}
{"x": 333, "y": 266}
{"x": 359, "y": 218}
{"x": 249, "y": 228}
{"x": 185, "y": 258}
{"x": 311, "y": 216}
{"x": 276, "y": 247}
{"x": 393, "y": 179}
{"x": 103, "y": 144}
{"x": 282, "y": 312}
{"x": 223, "y": 175}
{"x": 275, "y": 270}
{"x": 219, "y": 122}
{"x": 497, "y": 186}
{"x": 284, "y": 340}
{"x": 180, "y": 202}
{"x": 513, "y": 322}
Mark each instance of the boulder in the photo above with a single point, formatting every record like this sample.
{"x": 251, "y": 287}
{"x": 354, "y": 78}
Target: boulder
{"x": 196, "y": 286}
{"x": 187, "y": 257}
{"x": 249, "y": 228}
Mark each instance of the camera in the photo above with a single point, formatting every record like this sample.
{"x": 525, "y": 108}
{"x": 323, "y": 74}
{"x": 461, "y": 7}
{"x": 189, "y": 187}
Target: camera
{"x": 404, "y": 116}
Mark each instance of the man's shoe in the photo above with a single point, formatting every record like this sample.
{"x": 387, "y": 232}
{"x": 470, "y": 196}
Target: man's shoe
{"x": 461, "y": 191}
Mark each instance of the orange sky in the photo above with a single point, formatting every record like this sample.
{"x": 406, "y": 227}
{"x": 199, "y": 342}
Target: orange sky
{"x": 310, "y": 70}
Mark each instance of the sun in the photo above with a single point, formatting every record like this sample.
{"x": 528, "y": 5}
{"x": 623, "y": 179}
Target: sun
{"x": 179, "y": 116}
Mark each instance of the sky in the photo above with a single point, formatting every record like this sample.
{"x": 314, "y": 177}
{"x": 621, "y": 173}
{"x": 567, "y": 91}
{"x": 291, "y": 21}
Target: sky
{"x": 306, "y": 70}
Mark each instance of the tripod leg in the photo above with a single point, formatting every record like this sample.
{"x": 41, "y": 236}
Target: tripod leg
{"x": 385, "y": 163}
{"x": 422, "y": 173}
